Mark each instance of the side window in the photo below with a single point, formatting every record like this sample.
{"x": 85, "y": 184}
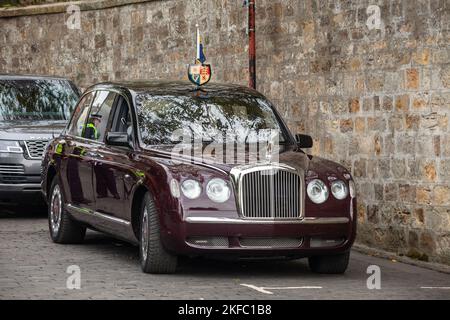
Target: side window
{"x": 80, "y": 114}
{"x": 122, "y": 116}
{"x": 98, "y": 118}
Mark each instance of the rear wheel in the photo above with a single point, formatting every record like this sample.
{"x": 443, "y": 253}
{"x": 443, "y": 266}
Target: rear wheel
{"x": 331, "y": 264}
{"x": 153, "y": 256}
{"x": 63, "y": 229}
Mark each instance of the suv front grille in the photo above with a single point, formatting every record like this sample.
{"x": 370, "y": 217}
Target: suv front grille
{"x": 12, "y": 174}
{"x": 35, "y": 148}
{"x": 9, "y": 169}
{"x": 273, "y": 193}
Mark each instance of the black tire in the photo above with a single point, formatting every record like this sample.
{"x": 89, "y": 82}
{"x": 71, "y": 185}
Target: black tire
{"x": 153, "y": 256}
{"x": 63, "y": 229}
{"x": 331, "y": 264}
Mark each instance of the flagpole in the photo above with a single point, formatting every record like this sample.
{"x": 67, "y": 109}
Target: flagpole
{"x": 251, "y": 45}
{"x": 198, "y": 42}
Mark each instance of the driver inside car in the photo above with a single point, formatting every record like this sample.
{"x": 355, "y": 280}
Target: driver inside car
{"x": 91, "y": 129}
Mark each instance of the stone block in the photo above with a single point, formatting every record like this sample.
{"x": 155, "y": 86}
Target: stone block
{"x": 346, "y": 125}
{"x": 406, "y": 193}
{"x": 423, "y": 195}
{"x": 402, "y": 103}
{"x": 412, "y": 79}
{"x": 421, "y": 56}
{"x": 353, "y": 105}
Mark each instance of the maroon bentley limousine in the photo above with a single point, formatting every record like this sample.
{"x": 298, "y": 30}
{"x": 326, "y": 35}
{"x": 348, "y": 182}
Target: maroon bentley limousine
{"x": 124, "y": 166}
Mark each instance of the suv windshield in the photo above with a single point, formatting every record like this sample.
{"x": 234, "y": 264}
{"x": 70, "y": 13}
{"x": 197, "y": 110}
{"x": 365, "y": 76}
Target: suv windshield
{"x": 166, "y": 119}
{"x": 37, "y": 99}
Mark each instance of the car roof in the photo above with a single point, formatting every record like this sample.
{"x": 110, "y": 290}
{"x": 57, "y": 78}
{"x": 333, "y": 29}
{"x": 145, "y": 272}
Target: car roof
{"x": 7, "y": 76}
{"x": 173, "y": 87}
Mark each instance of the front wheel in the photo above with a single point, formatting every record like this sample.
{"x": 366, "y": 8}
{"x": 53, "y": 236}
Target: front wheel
{"x": 331, "y": 264}
{"x": 153, "y": 256}
{"x": 63, "y": 229}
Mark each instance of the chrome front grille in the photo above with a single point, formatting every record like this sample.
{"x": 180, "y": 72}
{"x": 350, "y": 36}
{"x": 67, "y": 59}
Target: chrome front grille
{"x": 270, "y": 193}
{"x": 35, "y": 148}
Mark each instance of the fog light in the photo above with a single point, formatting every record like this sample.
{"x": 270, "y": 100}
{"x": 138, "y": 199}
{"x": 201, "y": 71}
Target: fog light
{"x": 317, "y": 242}
{"x": 215, "y": 242}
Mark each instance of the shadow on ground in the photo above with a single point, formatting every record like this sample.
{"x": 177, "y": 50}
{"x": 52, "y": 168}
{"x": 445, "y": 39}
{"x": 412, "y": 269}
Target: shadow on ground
{"x": 125, "y": 252}
{"x": 201, "y": 266}
{"x": 23, "y": 211}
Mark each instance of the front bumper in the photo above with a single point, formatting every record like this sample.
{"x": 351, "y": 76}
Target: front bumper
{"x": 205, "y": 235}
{"x": 20, "y": 193}
{"x": 20, "y": 179}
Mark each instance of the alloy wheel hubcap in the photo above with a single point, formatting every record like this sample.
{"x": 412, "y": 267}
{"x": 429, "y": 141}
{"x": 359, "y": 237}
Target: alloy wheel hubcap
{"x": 144, "y": 234}
{"x": 55, "y": 209}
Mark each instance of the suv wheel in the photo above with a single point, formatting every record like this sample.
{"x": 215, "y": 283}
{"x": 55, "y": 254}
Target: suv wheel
{"x": 153, "y": 256}
{"x": 63, "y": 229}
{"x": 332, "y": 264}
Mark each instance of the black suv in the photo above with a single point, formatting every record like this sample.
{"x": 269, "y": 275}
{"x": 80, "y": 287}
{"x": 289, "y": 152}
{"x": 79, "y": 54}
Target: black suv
{"x": 33, "y": 110}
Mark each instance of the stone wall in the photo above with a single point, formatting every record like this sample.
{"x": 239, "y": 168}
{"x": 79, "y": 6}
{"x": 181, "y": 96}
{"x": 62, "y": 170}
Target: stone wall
{"x": 9, "y": 3}
{"x": 375, "y": 96}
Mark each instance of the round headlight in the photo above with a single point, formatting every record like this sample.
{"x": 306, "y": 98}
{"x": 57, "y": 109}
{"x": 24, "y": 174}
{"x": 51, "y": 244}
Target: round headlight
{"x": 175, "y": 188}
{"x": 218, "y": 190}
{"x": 339, "y": 189}
{"x": 352, "y": 188}
{"x": 317, "y": 191}
{"x": 191, "y": 189}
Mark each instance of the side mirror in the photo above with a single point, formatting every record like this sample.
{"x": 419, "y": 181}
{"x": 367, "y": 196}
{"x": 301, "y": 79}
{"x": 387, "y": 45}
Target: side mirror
{"x": 119, "y": 139}
{"x": 304, "y": 141}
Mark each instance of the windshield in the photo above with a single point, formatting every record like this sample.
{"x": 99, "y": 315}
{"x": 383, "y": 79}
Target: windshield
{"x": 166, "y": 119}
{"x": 36, "y": 99}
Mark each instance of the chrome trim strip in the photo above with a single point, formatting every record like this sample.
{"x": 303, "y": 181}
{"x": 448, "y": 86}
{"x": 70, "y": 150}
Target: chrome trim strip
{"x": 98, "y": 214}
{"x": 307, "y": 220}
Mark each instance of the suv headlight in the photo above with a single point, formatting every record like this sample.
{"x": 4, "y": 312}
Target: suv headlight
{"x": 191, "y": 189}
{"x": 7, "y": 146}
{"x": 218, "y": 190}
{"x": 339, "y": 189}
{"x": 317, "y": 191}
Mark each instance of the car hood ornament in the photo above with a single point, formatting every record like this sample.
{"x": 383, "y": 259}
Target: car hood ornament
{"x": 199, "y": 73}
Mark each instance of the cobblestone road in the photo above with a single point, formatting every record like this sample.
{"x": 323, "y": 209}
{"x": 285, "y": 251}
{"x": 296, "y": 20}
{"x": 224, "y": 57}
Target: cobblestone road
{"x": 32, "y": 267}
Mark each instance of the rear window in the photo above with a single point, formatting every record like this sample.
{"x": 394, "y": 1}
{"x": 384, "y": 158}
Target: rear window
{"x": 40, "y": 99}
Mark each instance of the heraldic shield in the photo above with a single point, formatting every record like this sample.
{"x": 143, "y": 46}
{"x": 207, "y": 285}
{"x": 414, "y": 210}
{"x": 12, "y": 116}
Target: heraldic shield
{"x": 199, "y": 74}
